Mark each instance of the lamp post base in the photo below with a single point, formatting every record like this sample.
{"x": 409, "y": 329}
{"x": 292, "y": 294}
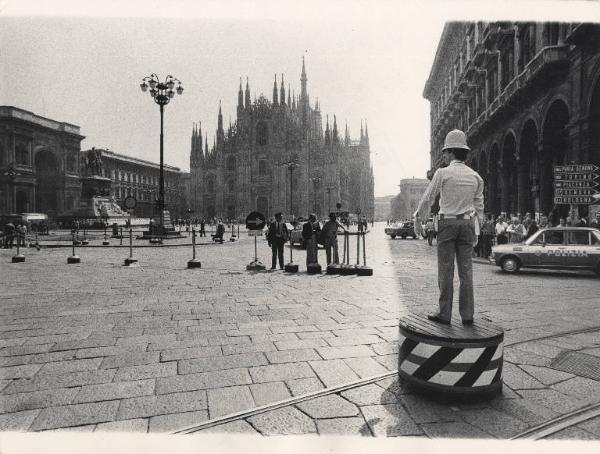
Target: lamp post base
{"x": 130, "y": 261}
{"x": 255, "y": 266}
{"x": 19, "y": 258}
{"x": 291, "y": 267}
{"x": 194, "y": 263}
{"x": 364, "y": 270}
{"x": 73, "y": 259}
{"x": 334, "y": 268}
{"x": 313, "y": 268}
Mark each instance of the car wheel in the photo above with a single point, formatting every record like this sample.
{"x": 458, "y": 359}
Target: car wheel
{"x": 510, "y": 265}
{"x": 393, "y": 237}
{"x": 403, "y": 237}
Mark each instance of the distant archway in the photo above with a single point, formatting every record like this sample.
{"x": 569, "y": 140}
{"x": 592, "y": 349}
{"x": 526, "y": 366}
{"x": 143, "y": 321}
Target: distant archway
{"x": 47, "y": 173}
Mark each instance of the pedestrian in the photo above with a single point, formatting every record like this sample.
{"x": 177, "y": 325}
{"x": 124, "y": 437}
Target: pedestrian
{"x": 543, "y": 222}
{"x": 533, "y": 227}
{"x": 310, "y": 232}
{"x": 429, "y": 231}
{"x": 9, "y": 235}
{"x": 461, "y": 198}
{"x": 516, "y": 231}
{"x": 562, "y": 222}
{"x": 277, "y": 236}
{"x": 202, "y": 228}
{"x": 595, "y": 222}
{"x": 329, "y": 239}
{"x": 487, "y": 234}
{"x": 501, "y": 227}
{"x": 21, "y": 234}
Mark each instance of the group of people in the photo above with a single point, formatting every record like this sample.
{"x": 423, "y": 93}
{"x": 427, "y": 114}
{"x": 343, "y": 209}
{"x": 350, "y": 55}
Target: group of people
{"x": 313, "y": 235}
{"x": 14, "y": 233}
{"x": 512, "y": 228}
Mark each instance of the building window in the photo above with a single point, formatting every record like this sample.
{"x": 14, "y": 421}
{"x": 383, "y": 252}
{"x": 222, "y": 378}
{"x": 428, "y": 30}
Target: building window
{"x": 551, "y": 33}
{"x": 492, "y": 83}
{"x": 22, "y": 154}
{"x": 230, "y": 163}
{"x": 507, "y": 66}
{"x": 262, "y": 167}
{"x": 262, "y": 133}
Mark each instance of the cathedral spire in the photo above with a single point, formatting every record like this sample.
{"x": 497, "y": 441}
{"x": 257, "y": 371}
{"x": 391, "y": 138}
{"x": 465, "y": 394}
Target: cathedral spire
{"x": 361, "y": 132}
{"x": 205, "y": 144}
{"x": 294, "y": 101}
{"x": 275, "y": 100}
{"x": 366, "y": 133}
{"x": 289, "y": 101}
{"x": 336, "y": 138}
{"x": 220, "y": 118}
{"x": 247, "y": 94}
{"x": 346, "y": 135}
{"x": 327, "y": 132}
{"x": 282, "y": 94}
{"x": 240, "y": 105}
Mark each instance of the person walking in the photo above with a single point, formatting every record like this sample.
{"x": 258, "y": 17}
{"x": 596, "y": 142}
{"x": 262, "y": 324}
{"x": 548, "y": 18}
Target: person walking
{"x": 461, "y": 198}
{"x": 310, "y": 232}
{"x": 202, "y": 228}
{"x": 429, "y": 231}
{"x": 487, "y": 233}
{"x": 277, "y": 236}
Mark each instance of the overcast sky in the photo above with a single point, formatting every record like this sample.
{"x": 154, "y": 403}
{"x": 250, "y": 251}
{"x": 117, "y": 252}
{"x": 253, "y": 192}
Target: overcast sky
{"x": 82, "y": 62}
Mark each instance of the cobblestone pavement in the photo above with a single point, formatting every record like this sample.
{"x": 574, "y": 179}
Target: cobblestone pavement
{"x": 157, "y": 348}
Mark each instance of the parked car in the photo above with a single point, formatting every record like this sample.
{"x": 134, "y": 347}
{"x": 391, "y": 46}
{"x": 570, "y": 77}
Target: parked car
{"x": 403, "y": 230}
{"x": 555, "y": 247}
{"x": 296, "y": 235}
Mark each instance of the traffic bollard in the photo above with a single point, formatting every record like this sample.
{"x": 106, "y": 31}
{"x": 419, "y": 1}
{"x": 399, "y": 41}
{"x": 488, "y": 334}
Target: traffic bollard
{"x": 74, "y": 258}
{"x": 19, "y": 258}
{"x": 121, "y": 236}
{"x": 364, "y": 270}
{"x": 105, "y": 241}
{"x": 232, "y": 233}
{"x": 291, "y": 267}
{"x": 130, "y": 261}
{"x": 194, "y": 263}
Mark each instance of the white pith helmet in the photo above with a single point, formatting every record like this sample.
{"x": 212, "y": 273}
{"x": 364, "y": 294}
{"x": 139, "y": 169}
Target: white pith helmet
{"x": 456, "y": 139}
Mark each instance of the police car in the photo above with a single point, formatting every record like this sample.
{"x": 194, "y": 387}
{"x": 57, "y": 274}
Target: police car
{"x": 555, "y": 247}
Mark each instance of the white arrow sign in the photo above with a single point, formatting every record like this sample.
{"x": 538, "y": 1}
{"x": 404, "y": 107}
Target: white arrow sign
{"x": 255, "y": 221}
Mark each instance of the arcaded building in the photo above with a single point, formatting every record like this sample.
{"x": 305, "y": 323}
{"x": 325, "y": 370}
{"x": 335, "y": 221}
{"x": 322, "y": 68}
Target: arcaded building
{"x": 249, "y": 166}
{"x": 528, "y": 96}
{"x": 39, "y": 163}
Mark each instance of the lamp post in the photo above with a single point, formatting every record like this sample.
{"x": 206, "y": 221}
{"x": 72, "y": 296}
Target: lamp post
{"x": 316, "y": 181}
{"x": 162, "y": 93}
{"x": 329, "y": 188}
{"x": 291, "y": 165}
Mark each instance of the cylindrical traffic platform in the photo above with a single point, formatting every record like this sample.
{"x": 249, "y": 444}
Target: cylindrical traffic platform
{"x": 450, "y": 359}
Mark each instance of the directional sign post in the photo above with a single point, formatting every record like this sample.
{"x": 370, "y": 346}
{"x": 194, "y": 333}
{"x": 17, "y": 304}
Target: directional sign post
{"x": 576, "y": 184}
{"x": 255, "y": 222}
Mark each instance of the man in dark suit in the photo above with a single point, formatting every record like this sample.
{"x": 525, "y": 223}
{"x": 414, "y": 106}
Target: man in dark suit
{"x": 277, "y": 235}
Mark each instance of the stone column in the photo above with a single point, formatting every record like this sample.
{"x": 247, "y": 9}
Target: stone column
{"x": 523, "y": 189}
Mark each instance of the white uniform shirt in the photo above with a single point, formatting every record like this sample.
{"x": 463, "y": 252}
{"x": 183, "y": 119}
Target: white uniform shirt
{"x": 460, "y": 189}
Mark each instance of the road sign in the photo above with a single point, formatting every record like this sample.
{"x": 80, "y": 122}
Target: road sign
{"x": 255, "y": 233}
{"x": 578, "y": 191}
{"x": 575, "y": 184}
{"x": 255, "y": 221}
{"x": 576, "y": 168}
{"x": 574, "y": 200}
{"x": 130, "y": 202}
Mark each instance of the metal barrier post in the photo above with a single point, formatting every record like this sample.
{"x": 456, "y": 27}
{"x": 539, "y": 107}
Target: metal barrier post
{"x": 194, "y": 263}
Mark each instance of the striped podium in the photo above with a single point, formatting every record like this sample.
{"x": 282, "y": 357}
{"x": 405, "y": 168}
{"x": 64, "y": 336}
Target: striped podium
{"x": 450, "y": 359}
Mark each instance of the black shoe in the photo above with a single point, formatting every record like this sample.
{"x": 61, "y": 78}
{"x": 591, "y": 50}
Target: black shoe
{"x": 467, "y": 322}
{"x": 437, "y": 319}
{"x": 272, "y": 268}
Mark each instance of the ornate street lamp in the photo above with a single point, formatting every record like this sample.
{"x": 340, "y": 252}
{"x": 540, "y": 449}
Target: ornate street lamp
{"x": 291, "y": 165}
{"x": 162, "y": 93}
{"x": 315, "y": 181}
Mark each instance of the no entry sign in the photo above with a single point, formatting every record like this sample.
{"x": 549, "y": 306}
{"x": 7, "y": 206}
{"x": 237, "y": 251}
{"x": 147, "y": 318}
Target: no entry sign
{"x": 255, "y": 221}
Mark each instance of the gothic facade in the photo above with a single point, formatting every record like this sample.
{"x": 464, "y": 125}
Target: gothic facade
{"x": 276, "y": 157}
